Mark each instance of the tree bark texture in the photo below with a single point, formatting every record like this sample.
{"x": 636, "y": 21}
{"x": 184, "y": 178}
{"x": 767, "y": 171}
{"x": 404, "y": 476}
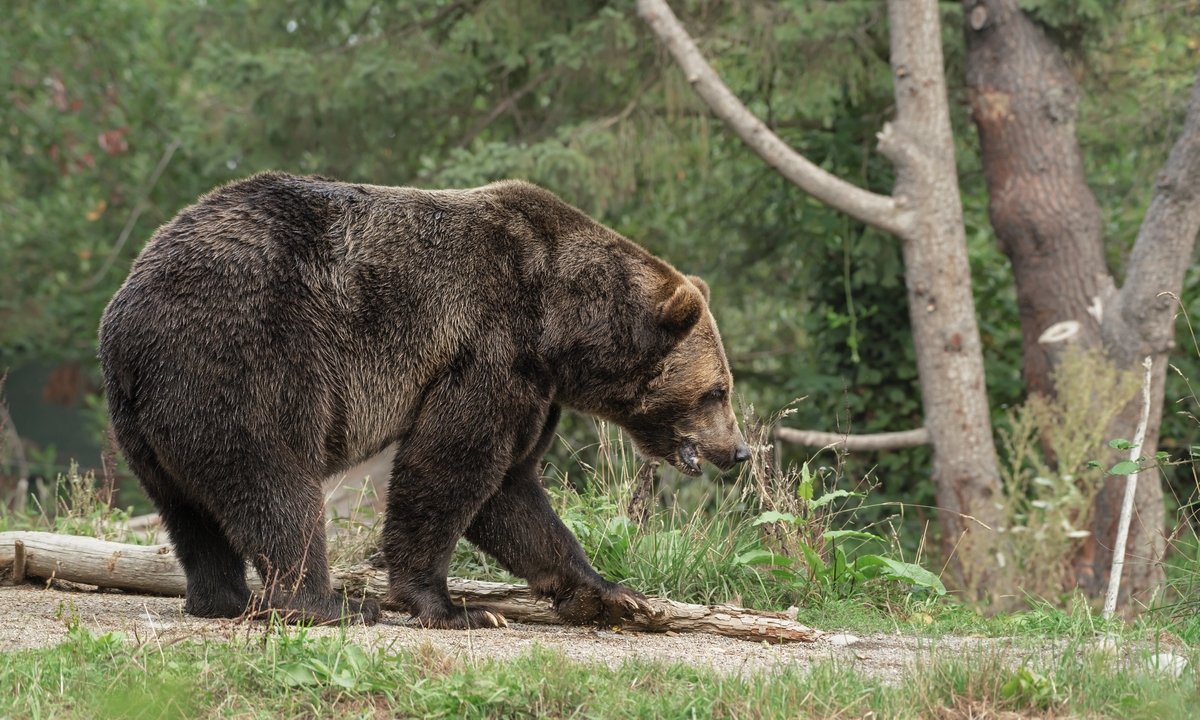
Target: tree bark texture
{"x": 1047, "y": 221}
{"x": 153, "y": 569}
{"x": 925, "y": 212}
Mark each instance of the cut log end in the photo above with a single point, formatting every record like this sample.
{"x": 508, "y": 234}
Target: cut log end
{"x": 18, "y": 572}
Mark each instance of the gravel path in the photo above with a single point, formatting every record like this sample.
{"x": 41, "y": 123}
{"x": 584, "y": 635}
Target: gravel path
{"x": 31, "y": 617}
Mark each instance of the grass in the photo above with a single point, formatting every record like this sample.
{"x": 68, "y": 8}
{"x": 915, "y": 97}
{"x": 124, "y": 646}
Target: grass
{"x": 693, "y": 554}
{"x": 276, "y": 672}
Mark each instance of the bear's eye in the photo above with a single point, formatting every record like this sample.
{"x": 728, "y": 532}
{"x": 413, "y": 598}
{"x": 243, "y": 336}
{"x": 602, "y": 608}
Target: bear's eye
{"x": 717, "y": 394}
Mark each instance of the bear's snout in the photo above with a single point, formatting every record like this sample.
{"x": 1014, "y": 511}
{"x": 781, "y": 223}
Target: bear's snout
{"x": 741, "y": 454}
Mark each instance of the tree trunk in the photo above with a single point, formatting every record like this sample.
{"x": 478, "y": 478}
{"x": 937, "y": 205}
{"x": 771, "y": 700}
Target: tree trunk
{"x": 1046, "y": 218}
{"x": 1047, "y": 221}
{"x": 925, "y": 211}
{"x": 1140, "y": 321}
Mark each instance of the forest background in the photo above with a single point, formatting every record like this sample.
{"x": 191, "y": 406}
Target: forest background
{"x": 116, "y": 114}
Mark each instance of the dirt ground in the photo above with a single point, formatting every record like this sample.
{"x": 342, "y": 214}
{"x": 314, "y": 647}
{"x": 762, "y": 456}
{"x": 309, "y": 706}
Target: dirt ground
{"x": 31, "y": 617}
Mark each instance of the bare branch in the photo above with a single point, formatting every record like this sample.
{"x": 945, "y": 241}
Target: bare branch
{"x": 878, "y": 210}
{"x": 1144, "y": 320}
{"x": 855, "y": 443}
{"x": 1131, "y": 480}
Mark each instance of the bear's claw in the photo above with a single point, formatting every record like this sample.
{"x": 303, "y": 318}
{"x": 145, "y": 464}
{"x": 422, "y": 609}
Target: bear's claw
{"x": 496, "y": 619}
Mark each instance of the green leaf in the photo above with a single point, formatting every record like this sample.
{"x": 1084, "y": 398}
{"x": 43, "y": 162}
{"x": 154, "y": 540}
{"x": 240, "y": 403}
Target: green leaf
{"x": 1119, "y": 444}
{"x": 344, "y": 679}
{"x": 762, "y": 557}
{"x": 1123, "y": 468}
{"x": 297, "y": 675}
{"x": 830, "y": 497}
{"x": 840, "y": 534}
{"x": 819, "y": 569}
{"x": 1093, "y": 464}
{"x": 771, "y": 516}
{"x": 904, "y": 572}
{"x": 355, "y": 658}
{"x": 805, "y": 491}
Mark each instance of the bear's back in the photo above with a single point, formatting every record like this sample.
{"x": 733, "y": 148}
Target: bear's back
{"x": 326, "y": 303}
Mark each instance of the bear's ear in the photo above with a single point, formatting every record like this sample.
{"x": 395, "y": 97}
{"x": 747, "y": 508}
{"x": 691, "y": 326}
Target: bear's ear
{"x": 680, "y": 313}
{"x": 700, "y": 285}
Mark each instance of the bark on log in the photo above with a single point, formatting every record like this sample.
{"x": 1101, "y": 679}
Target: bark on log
{"x": 925, "y": 211}
{"x": 854, "y": 443}
{"x": 153, "y": 569}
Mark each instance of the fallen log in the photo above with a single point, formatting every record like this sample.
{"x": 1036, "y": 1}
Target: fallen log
{"x": 153, "y": 569}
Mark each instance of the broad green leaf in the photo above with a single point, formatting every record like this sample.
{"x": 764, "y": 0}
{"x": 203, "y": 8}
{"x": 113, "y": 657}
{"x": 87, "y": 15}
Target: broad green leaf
{"x": 805, "y": 491}
{"x": 1120, "y": 444}
{"x": 914, "y": 574}
{"x": 771, "y": 516}
{"x": 1123, "y": 468}
{"x": 830, "y": 497}
{"x": 840, "y": 534}
{"x": 297, "y": 675}
{"x": 762, "y": 557}
{"x": 814, "y": 561}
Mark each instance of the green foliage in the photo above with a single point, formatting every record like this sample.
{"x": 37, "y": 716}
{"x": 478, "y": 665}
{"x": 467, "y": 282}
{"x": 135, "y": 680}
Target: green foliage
{"x": 75, "y": 504}
{"x": 842, "y": 576}
{"x": 1030, "y": 688}
{"x": 577, "y": 96}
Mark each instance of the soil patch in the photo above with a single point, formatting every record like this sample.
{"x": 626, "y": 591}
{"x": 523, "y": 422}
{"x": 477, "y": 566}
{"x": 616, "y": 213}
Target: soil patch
{"x": 32, "y": 616}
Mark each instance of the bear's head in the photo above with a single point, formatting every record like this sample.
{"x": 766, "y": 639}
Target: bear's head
{"x": 686, "y": 416}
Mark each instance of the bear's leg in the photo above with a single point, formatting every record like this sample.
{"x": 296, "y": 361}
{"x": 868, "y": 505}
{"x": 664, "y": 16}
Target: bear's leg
{"x": 216, "y": 572}
{"x": 284, "y": 536}
{"x": 429, "y": 507}
{"x": 518, "y": 527}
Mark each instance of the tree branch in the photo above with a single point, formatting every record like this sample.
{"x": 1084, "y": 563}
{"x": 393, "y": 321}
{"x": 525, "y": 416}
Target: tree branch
{"x": 879, "y": 211}
{"x": 854, "y": 443}
{"x": 1143, "y": 320}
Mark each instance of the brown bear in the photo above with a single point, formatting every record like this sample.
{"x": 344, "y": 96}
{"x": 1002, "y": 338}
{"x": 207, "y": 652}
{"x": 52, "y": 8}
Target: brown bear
{"x": 285, "y": 328}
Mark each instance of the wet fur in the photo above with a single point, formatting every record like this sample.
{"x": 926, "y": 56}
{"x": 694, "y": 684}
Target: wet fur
{"x": 285, "y": 328}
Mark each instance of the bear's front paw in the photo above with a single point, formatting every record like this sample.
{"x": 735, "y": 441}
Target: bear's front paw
{"x": 365, "y": 611}
{"x": 472, "y": 617}
{"x": 606, "y": 603}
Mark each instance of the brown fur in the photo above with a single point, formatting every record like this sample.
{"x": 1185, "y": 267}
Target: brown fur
{"x": 285, "y": 328}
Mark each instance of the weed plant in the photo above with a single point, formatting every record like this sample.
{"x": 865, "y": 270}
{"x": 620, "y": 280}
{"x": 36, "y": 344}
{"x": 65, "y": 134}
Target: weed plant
{"x": 76, "y": 504}
{"x": 1049, "y": 479}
